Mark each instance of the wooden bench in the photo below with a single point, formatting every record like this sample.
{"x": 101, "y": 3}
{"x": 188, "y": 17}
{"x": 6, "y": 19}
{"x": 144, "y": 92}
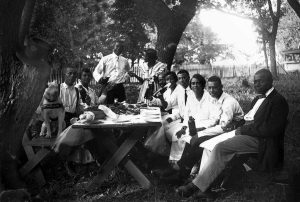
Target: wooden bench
{"x": 36, "y": 150}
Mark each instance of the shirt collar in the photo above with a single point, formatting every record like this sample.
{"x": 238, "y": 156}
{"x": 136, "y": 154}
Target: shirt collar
{"x": 116, "y": 56}
{"x": 187, "y": 88}
{"x": 79, "y": 83}
{"x": 221, "y": 98}
{"x": 64, "y": 85}
{"x": 269, "y": 91}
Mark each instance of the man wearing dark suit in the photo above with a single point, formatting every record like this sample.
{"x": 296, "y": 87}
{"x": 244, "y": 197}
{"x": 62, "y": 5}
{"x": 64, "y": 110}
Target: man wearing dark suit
{"x": 262, "y": 133}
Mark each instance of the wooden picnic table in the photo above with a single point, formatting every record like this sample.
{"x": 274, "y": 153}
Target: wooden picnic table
{"x": 137, "y": 127}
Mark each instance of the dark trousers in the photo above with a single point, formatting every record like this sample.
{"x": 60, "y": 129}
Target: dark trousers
{"x": 192, "y": 153}
{"x": 118, "y": 92}
{"x": 68, "y": 117}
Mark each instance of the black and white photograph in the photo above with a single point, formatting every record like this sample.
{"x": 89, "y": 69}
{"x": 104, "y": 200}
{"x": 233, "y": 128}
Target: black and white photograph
{"x": 150, "y": 100}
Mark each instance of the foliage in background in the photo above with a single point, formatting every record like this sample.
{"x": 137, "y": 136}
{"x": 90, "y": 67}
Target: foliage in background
{"x": 73, "y": 27}
{"x": 289, "y": 31}
{"x": 128, "y": 25}
{"x": 199, "y": 44}
{"x": 265, "y": 15}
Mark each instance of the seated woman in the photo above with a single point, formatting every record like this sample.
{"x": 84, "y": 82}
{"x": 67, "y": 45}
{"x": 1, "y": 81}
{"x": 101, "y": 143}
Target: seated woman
{"x": 88, "y": 95}
{"x": 150, "y": 69}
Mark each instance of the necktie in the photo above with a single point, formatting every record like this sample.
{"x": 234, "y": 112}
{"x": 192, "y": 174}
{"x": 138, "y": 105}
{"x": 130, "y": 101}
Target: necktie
{"x": 185, "y": 96}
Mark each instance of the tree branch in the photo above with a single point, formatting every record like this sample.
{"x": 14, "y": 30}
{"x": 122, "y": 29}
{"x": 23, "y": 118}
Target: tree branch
{"x": 295, "y": 6}
{"x": 271, "y": 9}
{"x": 278, "y": 9}
{"x": 155, "y": 10}
{"x": 184, "y": 10}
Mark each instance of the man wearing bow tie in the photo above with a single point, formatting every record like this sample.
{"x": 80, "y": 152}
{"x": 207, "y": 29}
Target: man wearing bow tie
{"x": 263, "y": 133}
{"x": 113, "y": 69}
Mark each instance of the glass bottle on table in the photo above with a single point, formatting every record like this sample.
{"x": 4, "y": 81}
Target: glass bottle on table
{"x": 192, "y": 126}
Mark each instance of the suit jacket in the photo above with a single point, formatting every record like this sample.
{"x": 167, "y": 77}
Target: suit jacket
{"x": 268, "y": 126}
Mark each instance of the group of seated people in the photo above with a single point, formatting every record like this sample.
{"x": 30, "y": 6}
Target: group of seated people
{"x": 221, "y": 123}
{"x": 182, "y": 100}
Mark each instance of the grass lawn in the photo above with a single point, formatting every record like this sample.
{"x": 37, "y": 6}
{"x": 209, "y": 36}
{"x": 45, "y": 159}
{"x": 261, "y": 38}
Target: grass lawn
{"x": 122, "y": 187}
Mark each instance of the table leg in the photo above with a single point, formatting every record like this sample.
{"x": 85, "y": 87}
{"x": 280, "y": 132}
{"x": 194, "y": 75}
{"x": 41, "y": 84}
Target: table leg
{"x": 118, "y": 155}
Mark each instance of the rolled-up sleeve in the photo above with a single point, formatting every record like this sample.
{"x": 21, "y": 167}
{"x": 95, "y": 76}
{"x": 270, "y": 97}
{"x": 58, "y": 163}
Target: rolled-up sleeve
{"x": 98, "y": 72}
{"x": 214, "y": 116}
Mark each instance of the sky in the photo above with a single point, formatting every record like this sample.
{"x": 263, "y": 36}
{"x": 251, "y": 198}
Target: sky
{"x": 233, "y": 30}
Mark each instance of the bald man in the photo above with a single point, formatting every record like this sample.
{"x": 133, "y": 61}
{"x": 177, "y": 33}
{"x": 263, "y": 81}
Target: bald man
{"x": 262, "y": 133}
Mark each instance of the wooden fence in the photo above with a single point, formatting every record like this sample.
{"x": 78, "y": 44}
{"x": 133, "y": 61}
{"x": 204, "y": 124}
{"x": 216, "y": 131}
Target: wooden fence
{"x": 57, "y": 75}
{"x": 205, "y": 70}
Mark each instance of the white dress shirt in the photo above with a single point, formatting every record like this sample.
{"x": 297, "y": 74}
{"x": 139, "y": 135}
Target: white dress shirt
{"x": 230, "y": 110}
{"x": 112, "y": 66}
{"x": 170, "y": 97}
{"x": 250, "y": 115}
{"x": 91, "y": 93}
{"x": 69, "y": 98}
{"x": 181, "y": 102}
{"x": 204, "y": 112}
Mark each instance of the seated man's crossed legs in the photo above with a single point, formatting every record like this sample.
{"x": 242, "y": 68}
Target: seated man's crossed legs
{"x": 185, "y": 154}
{"x": 220, "y": 156}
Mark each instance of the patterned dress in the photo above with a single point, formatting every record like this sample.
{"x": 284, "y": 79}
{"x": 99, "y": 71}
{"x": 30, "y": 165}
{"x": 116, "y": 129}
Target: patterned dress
{"x": 148, "y": 76}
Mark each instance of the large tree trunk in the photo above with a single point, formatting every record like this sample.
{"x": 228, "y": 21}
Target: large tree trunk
{"x": 21, "y": 89}
{"x": 295, "y": 5}
{"x": 170, "y": 23}
{"x": 168, "y": 37}
{"x": 10, "y": 17}
{"x": 273, "y": 67}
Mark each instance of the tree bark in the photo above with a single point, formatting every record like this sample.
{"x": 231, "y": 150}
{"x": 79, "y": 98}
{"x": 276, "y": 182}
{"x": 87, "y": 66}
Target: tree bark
{"x": 295, "y": 6}
{"x": 21, "y": 89}
{"x": 265, "y": 52}
{"x": 168, "y": 38}
{"x": 26, "y": 19}
{"x": 273, "y": 67}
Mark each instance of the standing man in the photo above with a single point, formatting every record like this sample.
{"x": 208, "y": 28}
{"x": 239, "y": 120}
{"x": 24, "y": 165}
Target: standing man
{"x": 112, "y": 69}
{"x": 263, "y": 133}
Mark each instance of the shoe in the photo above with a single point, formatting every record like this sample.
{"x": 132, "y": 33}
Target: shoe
{"x": 187, "y": 190}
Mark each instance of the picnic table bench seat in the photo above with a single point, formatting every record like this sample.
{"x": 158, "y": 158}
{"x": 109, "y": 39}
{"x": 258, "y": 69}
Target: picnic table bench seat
{"x": 36, "y": 149}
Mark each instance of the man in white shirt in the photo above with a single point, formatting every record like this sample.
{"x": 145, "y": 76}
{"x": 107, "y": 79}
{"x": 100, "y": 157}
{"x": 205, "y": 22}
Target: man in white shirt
{"x": 113, "y": 69}
{"x": 231, "y": 117}
{"x": 170, "y": 121}
{"x": 70, "y": 96}
{"x": 174, "y": 122}
{"x": 262, "y": 133}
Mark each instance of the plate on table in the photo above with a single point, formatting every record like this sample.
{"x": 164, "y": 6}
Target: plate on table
{"x": 124, "y": 118}
{"x": 152, "y": 119}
